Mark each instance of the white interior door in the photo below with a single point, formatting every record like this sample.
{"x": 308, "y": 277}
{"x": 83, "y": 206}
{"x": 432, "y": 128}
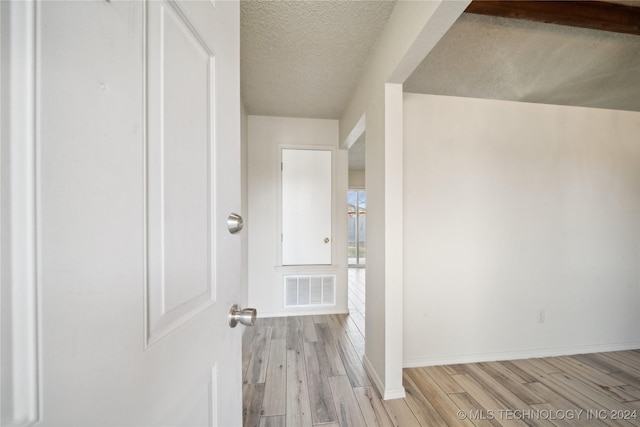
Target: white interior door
{"x": 306, "y": 207}
{"x": 136, "y": 165}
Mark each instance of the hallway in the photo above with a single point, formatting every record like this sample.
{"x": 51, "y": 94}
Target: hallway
{"x": 307, "y": 371}
{"x": 356, "y": 297}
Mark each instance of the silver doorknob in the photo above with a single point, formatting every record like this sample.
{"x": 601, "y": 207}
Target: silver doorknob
{"x": 234, "y": 223}
{"x": 246, "y": 316}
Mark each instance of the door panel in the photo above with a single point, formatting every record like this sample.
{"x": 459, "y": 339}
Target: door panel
{"x": 180, "y": 76}
{"x": 306, "y": 207}
{"x": 135, "y": 269}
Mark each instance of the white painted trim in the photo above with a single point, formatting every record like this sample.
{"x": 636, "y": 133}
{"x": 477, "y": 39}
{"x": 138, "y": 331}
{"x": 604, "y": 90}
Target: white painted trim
{"x": 145, "y": 173}
{"x": 369, "y": 369}
{"x": 516, "y": 355}
{"x": 393, "y": 235}
{"x": 358, "y": 129}
{"x": 24, "y": 318}
{"x": 306, "y": 270}
{"x": 279, "y": 228}
{"x": 302, "y": 312}
{"x": 160, "y": 321}
{"x": 386, "y": 393}
{"x": 442, "y": 18}
{"x": 394, "y": 393}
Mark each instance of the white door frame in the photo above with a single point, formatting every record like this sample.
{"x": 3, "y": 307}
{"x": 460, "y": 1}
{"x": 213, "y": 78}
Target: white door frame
{"x": 20, "y": 355}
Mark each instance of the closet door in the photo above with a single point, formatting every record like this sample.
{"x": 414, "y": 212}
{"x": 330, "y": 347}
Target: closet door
{"x": 306, "y": 207}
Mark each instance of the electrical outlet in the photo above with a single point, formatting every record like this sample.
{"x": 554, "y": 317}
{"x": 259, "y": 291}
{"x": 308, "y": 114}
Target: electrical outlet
{"x": 541, "y": 316}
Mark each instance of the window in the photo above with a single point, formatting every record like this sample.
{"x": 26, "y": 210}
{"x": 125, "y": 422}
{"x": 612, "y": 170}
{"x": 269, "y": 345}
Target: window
{"x": 357, "y": 213}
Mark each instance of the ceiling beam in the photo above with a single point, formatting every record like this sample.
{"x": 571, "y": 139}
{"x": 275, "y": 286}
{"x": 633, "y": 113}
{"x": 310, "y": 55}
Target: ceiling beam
{"x": 595, "y": 15}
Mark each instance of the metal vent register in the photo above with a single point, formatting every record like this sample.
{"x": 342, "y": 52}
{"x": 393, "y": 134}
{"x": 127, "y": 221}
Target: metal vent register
{"x": 300, "y": 291}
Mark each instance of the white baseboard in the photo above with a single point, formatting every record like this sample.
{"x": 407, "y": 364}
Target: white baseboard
{"x": 368, "y": 367}
{"x": 394, "y": 393}
{"x": 303, "y": 312}
{"x": 386, "y": 393}
{"x": 514, "y": 355}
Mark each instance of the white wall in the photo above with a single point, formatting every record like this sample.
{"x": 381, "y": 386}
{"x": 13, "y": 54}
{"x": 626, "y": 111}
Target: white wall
{"x": 511, "y": 208}
{"x": 266, "y": 136}
{"x": 356, "y": 179}
{"x": 412, "y": 30}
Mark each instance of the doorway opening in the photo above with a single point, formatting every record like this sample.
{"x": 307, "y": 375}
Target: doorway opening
{"x": 357, "y": 214}
{"x": 357, "y": 226}
{"x": 357, "y": 229}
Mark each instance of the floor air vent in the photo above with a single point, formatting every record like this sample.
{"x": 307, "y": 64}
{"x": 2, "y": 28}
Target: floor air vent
{"x": 301, "y": 291}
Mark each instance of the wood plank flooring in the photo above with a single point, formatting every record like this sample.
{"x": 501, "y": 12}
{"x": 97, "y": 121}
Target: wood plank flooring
{"x": 356, "y": 298}
{"x": 307, "y": 371}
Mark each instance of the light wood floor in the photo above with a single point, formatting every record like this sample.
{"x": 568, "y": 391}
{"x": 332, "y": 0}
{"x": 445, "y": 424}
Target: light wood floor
{"x": 356, "y": 297}
{"x": 303, "y": 371}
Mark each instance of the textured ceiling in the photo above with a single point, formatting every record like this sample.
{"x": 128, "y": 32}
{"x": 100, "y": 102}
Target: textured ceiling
{"x": 500, "y": 58}
{"x": 303, "y": 58}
